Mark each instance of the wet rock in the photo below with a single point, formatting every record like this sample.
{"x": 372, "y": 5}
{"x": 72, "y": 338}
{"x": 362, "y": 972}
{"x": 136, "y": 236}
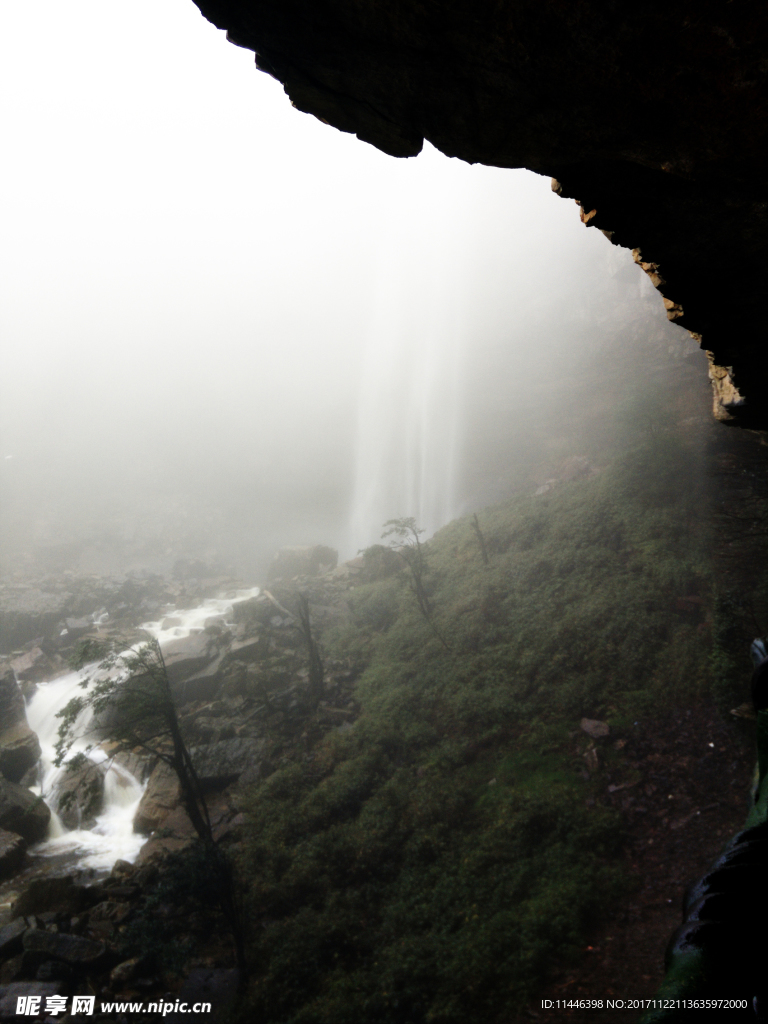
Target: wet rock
{"x": 12, "y": 710}
{"x": 302, "y": 561}
{"x": 72, "y": 949}
{"x": 188, "y": 656}
{"x": 52, "y": 895}
{"x": 219, "y": 764}
{"x": 138, "y": 764}
{"x": 161, "y": 796}
{"x": 10, "y": 938}
{"x": 125, "y": 972}
{"x": 107, "y": 915}
{"x": 12, "y": 849}
{"x": 29, "y": 614}
{"x": 19, "y": 746}
{"x": 54, "y": 970}
{"x": 19, "y": 751}
{"x": 253, "y": 613}
{"x": 22, "y": 812}
{"x": 202, "y": 685}
{"x": 594, "y": 728}
{"x": 176, "y": 833}
{"x": 10, "y": 993}
{"x": 34, "y": 666}
{"x": 79, "y": 797}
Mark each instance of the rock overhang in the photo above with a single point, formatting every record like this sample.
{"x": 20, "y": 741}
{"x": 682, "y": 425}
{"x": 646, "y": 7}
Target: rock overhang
{"x": 652, "y": 116}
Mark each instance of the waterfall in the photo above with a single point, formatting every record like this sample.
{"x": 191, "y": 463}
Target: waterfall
{"x": 112, "y": 837}
{"x": 409, "y": 405}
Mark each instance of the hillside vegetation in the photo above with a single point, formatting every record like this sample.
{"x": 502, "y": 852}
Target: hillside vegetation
{"x": 435, "y": 861}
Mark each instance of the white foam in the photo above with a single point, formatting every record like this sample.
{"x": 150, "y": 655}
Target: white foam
{"x": 112, "y": 837}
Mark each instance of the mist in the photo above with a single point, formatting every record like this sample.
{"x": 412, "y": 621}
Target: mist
{"x": 227, "y": 327}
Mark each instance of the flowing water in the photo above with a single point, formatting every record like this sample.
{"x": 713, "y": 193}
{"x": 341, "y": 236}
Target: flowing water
{"x": 112, "y": 837}
{"x": 410, "y": 400}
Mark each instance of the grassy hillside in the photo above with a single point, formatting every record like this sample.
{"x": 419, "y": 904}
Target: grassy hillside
{"x": 433, "y": 862}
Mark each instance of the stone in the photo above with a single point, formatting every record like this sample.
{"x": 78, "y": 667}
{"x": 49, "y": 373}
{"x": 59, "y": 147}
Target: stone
{"x": 54, "y": 970}
{"x": 186, "y": 656}
{"x": 72, "y": 949}
{"x": 79, "y": 795}
{"x": 34, "y": 666}
{"x": 12, "y": 850}
{"x": 253, "y": 613}
{"x": 12, "y": 710}
{"x": 203, "y": 685}
{"x": 124, "y": 972}
{"x": 10, "y": 938}
{"x": 161, "y": 796}
{"x": 219, "y": 764}
{"x": 22, "y": 812}
{"x": 302, "y": 561}
{"x": 19, "y": 751}
{"x": 176, "y": 833}
{"x": 50, "y": 895}
{"x": 594, "y": 728}
{"x": 29, "y": 615}
{"x": 10, "y": 993}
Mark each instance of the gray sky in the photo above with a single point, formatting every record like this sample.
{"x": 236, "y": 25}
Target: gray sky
{"x": 196, "y": 279}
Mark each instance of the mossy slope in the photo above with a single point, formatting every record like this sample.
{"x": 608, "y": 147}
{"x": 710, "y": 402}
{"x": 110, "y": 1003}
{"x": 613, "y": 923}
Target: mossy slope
{"x": 435, "y": 861}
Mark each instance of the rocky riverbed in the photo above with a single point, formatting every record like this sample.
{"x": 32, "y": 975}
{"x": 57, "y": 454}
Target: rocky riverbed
{"x": 240, "y": 672}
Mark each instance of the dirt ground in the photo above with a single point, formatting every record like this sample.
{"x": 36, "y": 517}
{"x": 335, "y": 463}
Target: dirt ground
{"x": 693, "y": 793}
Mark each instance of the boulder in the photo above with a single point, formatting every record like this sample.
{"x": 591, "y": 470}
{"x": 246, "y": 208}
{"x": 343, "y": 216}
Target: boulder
{"x": 79, "y": 794}
{"x": 219, "y": 764}
{"x": 30, "y": 614}
{"x": 34, "y": 666}
{"x": 22, "y": 812}
{"x": 203, "y": 685}
{"x": 162, "y": 795}
{"x": 19, "y": 746}
{"x": 9, "y": 995}
{"x": 60, "y": 895}
{"x": 10, "y": 938}
{"x": 254, "y": 611}
{"x": 12, "y": 710}
{"x": 72, "y": 949}
{"x": 302, "y": 561}
{"x": 12, "y": 850}
{"x": 186, "y": 656}
{"x": 594, "y": 728}
{"x": 19, "y": 751}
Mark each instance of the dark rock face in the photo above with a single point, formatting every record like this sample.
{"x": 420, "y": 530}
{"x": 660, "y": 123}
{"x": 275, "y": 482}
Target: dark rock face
{"x": 12, "y": 849}
{"x": 19, "y": 746}
{"x": 22, "y": 812}
{"x": 219, "y": 764}
{"x": 72, "y": 949}
{"x": 80, "y": 795}
{"x": 44, "y": 895}
{"x": 161, "y": 796}
{"x": 652, "y": 116}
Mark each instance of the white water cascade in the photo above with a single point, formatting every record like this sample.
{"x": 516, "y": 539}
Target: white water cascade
{"x": 112, "y": 837}
{"x": 409, "y": 407}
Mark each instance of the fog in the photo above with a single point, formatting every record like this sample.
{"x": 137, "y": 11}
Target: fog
{"x": 226, "y": 326}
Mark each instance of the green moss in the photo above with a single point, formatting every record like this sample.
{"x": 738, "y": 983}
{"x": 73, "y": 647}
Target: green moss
{"x": 436, "y": 862}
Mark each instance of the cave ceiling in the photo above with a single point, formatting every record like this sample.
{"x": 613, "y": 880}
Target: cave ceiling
{"x": 652, "y": 116}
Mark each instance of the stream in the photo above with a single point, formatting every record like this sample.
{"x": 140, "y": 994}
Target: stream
{"x": 111, "y": 837}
